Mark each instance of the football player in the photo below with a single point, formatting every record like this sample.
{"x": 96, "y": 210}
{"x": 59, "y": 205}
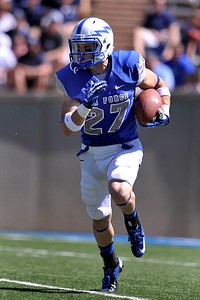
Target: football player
{"x": 99, "y": 88}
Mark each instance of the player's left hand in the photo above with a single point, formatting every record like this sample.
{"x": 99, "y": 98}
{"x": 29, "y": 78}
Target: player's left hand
{"x": 94, "y": 89}
{"x": 160, "y": 120}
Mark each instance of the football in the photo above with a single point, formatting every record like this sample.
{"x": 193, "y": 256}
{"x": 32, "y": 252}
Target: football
{"x": 146, "y": 106}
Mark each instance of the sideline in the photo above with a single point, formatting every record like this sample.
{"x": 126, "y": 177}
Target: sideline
{"x": 70, "y": 290}
{"x": 85, "y": 237}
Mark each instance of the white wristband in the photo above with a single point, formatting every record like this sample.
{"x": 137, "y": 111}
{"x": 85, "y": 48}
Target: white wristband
{"x": 83, "y": 111}
{"x": 165, "y": 108}
{"x": 163, "y": 91}
{"x": 70, "y": 124}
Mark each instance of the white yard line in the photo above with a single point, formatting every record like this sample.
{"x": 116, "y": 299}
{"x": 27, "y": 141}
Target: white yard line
{"x": 43, "y": 252}
{"x": 69, "y": 289}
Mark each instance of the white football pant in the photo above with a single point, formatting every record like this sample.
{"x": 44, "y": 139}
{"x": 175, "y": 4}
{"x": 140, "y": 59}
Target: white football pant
{"x": 101, "y": 164}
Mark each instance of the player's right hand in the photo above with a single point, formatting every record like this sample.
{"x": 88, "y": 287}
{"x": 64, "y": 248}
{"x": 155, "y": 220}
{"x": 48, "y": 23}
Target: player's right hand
{"x": 93, "y": 90}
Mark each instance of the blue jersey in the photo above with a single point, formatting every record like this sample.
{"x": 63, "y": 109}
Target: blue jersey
{"x": 111, "y": 120}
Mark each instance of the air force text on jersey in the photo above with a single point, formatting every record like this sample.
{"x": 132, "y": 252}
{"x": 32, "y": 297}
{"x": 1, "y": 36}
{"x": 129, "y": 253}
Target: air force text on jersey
{"x": 114, "y": 99}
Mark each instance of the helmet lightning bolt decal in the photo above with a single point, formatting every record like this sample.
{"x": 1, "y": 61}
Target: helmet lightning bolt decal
{"x": 98, "y": 32}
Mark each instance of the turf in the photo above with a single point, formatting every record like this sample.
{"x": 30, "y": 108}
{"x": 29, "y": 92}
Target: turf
{"x": 162, "y": 273}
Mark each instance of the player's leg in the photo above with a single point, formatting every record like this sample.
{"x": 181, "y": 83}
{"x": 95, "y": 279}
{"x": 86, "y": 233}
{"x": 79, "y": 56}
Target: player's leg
{"x": 103, "y": 231}
{"x": 123, "y": 173}
{"x": 124, "y": 197}
{"x": 104, "y": 235}
{"x": 95, "y": 194}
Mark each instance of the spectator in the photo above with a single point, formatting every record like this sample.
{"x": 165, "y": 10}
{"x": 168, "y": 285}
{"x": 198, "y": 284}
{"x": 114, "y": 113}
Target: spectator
{"x": 22, "y": 25}
{"x": 52, "y": 39}
{"x": 51, "y": 4}
{"x": 183, "y": 68}
{"x": 191, "y": 36}
{"x": 7, "y": 19}
{"x": 34, "y": 10}
{"x": 161, "y": 69}
{"x": 20, "y": 45}
{"x": 72, "y": 12}
{"x": 38, "y": 57}
{"x": 7, "y": 59}
{"x": 32, "y": 71}
{"x": 69, "y": 9}
{"x": 160, "y": 31}
{"x": 85, "y": 9}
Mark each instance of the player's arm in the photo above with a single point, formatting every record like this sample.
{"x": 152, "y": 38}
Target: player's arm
{"x": 151, "y": 80}
{"x": 74, "y": 114}
{"x": 71, "y": 119}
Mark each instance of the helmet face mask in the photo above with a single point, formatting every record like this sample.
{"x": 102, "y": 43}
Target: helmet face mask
{"x": 83, "y": 52}
{"x": 90, "y": 44}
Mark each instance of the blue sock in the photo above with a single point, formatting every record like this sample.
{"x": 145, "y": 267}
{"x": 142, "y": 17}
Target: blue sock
{"x": 132, "y": 219}
{"x": 109, "y": 257}
{"x": 131, "y": 216}
{"x": 107, "y": 250}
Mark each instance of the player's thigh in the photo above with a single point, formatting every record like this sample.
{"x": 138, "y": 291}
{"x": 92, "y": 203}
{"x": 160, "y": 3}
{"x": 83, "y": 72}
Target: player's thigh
{"x": 94, "y": 190}
{"x": 126, "y": 164}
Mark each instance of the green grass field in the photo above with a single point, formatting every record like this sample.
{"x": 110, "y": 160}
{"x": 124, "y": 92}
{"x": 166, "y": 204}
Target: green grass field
{"x": 56, "y": 269}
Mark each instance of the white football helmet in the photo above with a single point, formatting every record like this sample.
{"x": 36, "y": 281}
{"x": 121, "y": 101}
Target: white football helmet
{"x": 91, "y": 36}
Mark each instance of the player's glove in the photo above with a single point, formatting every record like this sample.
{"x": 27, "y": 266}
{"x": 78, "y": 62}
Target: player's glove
{"x": 93, "y": 90}
{"x": 161, "y": 119}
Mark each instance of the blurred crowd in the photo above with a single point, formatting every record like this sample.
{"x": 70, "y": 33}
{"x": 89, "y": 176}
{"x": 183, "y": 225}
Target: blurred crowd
{"x": 170, "y": 46}
{"x": 34, "y": 33}
{"x": 33, "y": 41}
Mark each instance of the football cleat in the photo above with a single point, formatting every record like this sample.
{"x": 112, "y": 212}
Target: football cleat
{"x": 110, "y": 280}
{"x": 136, "y": 237}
